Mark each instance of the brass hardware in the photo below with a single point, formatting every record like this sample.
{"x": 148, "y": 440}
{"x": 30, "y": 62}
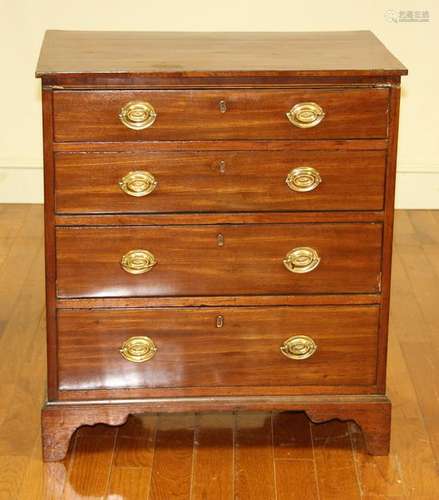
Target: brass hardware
{"x": 305, "y": 114}
{"x": 298, "y": 347}
{"x": 301, "y": 260}
{"x": 220, "y": 240}
{"x": 138, "y": 261}
{"x": 222, "y": 106}
{"x": 137, "y": 115}
{"x": 219, "y": 321}
{"x": 222, "y": 166}
{"x": 138, "y": 349}
{"x": 303, "y": 179}
{"x": 138, "y": 183}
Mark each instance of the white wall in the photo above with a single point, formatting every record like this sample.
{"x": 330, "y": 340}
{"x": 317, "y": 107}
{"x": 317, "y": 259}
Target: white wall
{"x": 23, "y": 22}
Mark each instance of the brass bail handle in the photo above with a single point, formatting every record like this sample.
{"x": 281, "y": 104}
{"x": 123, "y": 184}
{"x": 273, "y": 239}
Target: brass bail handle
{"x": 298, "y": 347}
{"x": 301, "y": 260}
{"x": 138, "y": 261}
{"x": 305, "y": 114}
{"x": 303, "y": 179}
{"x": 138, "y": 115}
{"x": 138, "y": 349}
{"x": 138, "y": 183}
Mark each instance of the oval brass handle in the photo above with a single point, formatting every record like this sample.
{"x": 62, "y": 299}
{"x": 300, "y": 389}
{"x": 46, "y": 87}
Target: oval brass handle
{"x": 302, "y": 260}
{"x": 138, "y": 183}
{"x": 303, "y": 179}
{"x": 298, "y": 347}
{"x": 305, "y": 114}
{"x": 138, "y": 349}
{"x": 138, "y": 261}
{"x": 137, "y": 115}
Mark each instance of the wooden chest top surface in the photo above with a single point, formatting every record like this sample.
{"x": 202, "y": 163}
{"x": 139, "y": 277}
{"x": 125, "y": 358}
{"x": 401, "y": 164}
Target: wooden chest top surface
{"x": 312, "y": 54}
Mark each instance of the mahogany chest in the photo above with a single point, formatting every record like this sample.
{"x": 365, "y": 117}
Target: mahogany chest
{"x": 218, "y": 225}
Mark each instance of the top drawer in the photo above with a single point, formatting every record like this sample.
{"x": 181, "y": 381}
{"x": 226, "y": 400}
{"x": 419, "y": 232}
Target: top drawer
{"x": 220, "y": 114}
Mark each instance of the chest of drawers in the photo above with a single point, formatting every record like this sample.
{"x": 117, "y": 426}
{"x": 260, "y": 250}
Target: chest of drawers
{"x": 218, "y": 221}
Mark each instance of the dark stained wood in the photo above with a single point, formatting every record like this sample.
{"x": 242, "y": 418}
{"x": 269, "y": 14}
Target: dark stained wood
{"x": 83, "y": 396}
{"x": 89, "y": 116}
{"x": 223, "y": 218}
{"x": 191, "y": 146}
{"x": 135, "y": 82}
{"x": 372, "y": 413}
{"x": 122, "y": 54}
{"x": 250, "y": 262}
{"x": 243, "y": 300}
{"x": 374, "y": 424}
{"x": 220, "y": 239}
{"x": 388, "y": 236}
{"x": 50, "y": 245}
{"x": 219, "y": 182}
{"x": 89, "y": 344}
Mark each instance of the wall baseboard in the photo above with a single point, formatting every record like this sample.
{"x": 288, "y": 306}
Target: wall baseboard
{"x": 413, "y": 190}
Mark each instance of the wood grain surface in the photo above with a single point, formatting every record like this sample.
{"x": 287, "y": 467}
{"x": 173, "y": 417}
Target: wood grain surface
{"x": 219, "y": 181}
{"x": 191, "y": 262}
{"x": 192, "y": 351}
{"x": 119, "y": 53}
{"x": 93, "y": 116}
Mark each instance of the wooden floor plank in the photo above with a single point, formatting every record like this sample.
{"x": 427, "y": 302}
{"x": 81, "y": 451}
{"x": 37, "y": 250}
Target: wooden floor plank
{"x": 213, "y": 473}
{"x": 292, "y": 436}
{"x": 379, "y": 477}
{"x": 12, "y": 217}
{"x": 404, "y": 232}
{"x": 90, "y": 465}
{"x": 135, "y": 442}
{"x": 425, "y": 226}
{"x": 33, "y": 476}
{"x": 421, "y": 351}
{"x": 130, "y": 476}
{"x": 254, "y": 460}
{"x": 294, "y": 457}
{"x": 336, "y": 473}
{"x": 17, "y": 263}
{"x": 129, "y": 483}
{"x": 55, "y": 475}
{"x": 173, "y": 458}
{"x": 410, "y": 442}
{"x": 295, "y": 480}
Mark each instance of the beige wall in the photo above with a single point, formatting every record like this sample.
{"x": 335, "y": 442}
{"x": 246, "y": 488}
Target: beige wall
{"x": 23, "y": 23}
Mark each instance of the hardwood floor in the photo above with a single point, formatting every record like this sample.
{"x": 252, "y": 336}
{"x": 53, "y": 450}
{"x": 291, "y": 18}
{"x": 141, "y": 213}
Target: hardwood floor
{"x": 222, "y": 456}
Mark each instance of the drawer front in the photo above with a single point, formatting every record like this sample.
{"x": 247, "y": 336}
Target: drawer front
{"x": 197, "y": 260}
{"x": 219, "y": 181}
{"x": 220, "y": 114}
{"x": 212, "y": 347}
